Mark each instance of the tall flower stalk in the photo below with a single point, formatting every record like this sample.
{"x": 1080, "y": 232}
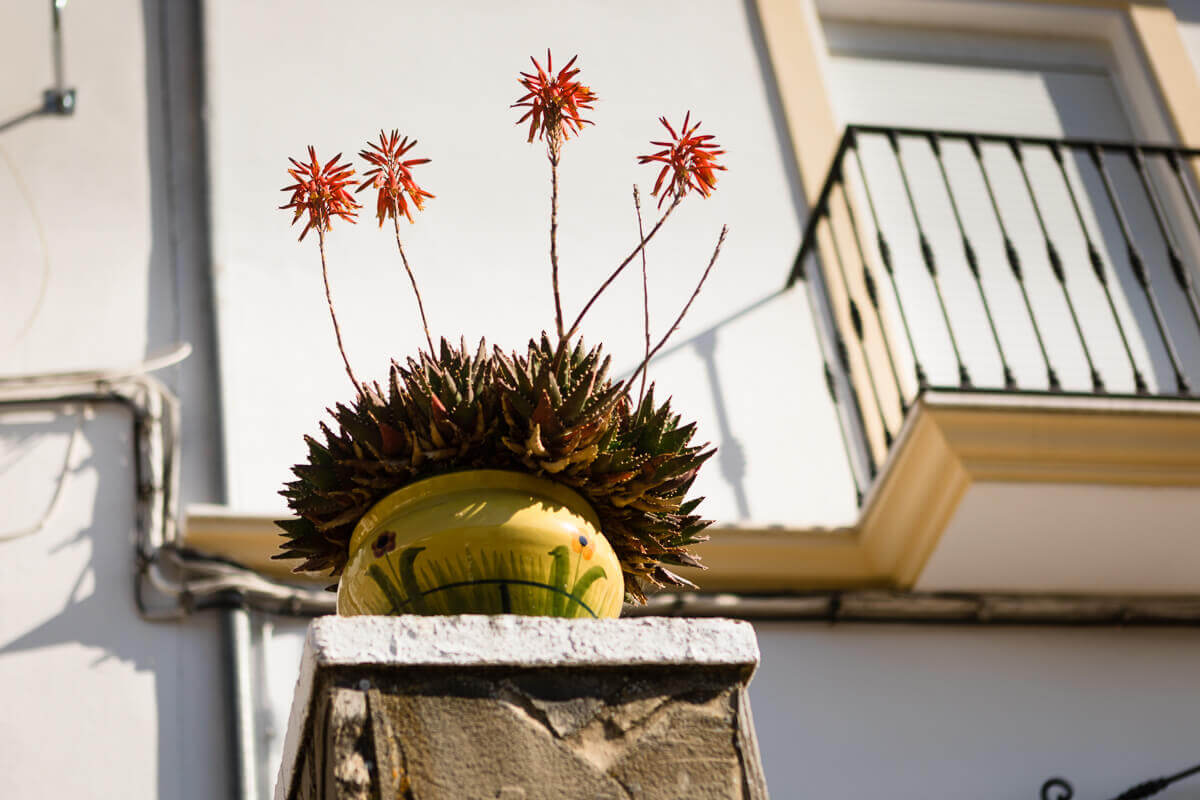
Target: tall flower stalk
{"x": 637, "y": 207}
{"x": 554, "y": 104}
{"x": 650, "y": 353}
{"x": 320, "y": 193}
{"x": 392, "y": 177}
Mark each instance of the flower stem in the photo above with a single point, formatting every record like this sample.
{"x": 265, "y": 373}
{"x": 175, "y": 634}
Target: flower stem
{"x": 637, "y": 207}
{"x": 679, "y": 319}
{"x": 558, "y": 315}
{"x": 413, "y": 280}
{"x": 621, "y": 267}
{"x": 337, "y": 331}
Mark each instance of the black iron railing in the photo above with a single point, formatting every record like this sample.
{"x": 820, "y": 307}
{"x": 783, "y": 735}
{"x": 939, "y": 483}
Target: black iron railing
{"x": 1061, "y": 789}
{"x": 981, "y": 262}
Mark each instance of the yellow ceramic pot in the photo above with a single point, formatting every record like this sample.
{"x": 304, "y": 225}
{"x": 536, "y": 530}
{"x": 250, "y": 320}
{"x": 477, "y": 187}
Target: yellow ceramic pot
{"x": 481, "y": 542}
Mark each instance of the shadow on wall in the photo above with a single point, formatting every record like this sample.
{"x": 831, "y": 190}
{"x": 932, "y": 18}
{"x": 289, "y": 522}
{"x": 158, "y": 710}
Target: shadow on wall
{"x": 179, "y": 294}
{"x": 731, "y": 454}
{"x": 754, "y": 384}
{"x": 68, "y": 598}
{"x": 770, "y": 331}
{"x": 181, "y": 659}
{"x": 783, "y": 138}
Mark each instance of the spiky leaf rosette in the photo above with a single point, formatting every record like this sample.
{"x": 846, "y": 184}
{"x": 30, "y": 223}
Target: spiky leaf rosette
{"x": 551, "y": 412}
{"x": 436, "y": 415}
{"x": 565, "y": 420}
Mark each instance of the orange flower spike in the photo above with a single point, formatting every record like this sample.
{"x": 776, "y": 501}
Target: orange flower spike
{"x": 689, "y": 160}
{"x": 554, "y": 103}
{"x": 320, "y": 192}
{"x": 392, "y": 176}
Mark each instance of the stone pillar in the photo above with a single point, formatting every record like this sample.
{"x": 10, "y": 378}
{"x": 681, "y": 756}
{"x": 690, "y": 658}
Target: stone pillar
{"x": 523, "y": 708}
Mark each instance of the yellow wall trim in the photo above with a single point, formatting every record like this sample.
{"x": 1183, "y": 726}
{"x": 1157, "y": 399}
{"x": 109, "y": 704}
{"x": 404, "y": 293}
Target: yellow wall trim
{"x": 950, "y": 441}
{"x": 1158, "y": 31}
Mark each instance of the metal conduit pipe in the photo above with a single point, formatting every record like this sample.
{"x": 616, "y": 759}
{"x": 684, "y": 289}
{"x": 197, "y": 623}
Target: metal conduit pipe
{"x": 236, "y": 644}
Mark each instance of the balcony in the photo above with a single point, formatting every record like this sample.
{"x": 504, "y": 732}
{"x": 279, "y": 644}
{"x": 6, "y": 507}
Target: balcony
{"x": 1011, "y": 333}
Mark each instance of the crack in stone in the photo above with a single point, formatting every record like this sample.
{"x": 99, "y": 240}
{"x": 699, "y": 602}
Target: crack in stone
{"x": 597, "y": 735}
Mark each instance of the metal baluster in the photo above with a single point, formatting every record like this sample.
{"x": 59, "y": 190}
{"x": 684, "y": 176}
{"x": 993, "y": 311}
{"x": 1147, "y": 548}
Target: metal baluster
{"x": 1160, "y": 217}
{"x": 872, "y": 291}
{"x": 964, "y": 378}
{"x": 1098, "y": 267}
{"x": 885, "y": 253}
{"x": 816, "y": 296}
{"x": 856, "y": 321}
{"x": 1139, "y": 268}
{"x": 1056, "y": 264}
{"x": 1173, "y": 160}
{"x": 1014, "y": 262}
{"x": 1010, "y": 381}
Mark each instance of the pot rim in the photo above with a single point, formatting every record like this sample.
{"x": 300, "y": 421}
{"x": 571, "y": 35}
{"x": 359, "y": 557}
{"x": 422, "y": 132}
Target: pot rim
{"x": 463, "y": 480}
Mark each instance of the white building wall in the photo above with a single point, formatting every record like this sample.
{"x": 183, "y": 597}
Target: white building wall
{"x": 97, "y": 702}
{"x": 99, "y": 267}
{"x": 911, "y": 712}
{"x": 480, "y": 250}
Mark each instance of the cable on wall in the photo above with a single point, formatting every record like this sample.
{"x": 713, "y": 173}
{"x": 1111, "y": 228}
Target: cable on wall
{"x": 81, "y": 414}
{"x": 40, "y": 229}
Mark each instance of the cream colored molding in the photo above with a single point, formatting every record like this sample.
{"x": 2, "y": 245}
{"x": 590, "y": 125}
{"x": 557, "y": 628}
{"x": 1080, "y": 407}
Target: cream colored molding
{"x": 918, "y": 491}
{"x": 950, "y": 441}
{"x": 1116, "y": 447}
{"x": 956, "y": 440}
{"x": 1158, "y": 30}
{"x": 247, "y": 539}
{"x": 782, "y": 560}
{"x": 792, "y": 33}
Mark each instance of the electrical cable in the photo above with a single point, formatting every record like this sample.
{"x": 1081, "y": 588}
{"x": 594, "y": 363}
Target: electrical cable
{"x": 76, "y": 434}
{"x": 40, "y": 229}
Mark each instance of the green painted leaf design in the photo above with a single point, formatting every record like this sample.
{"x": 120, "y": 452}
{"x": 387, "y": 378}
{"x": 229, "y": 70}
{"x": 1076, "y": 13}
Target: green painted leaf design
{"x": 408, "y": 580}
{"x": 558, "y": 579}
{"x": 582, "y": 585}
{"x": 387, "y": 587}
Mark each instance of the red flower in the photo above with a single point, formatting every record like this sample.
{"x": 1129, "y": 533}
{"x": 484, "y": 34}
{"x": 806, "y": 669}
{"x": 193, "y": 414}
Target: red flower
{"x": 393, "y": 177}
{"x": 688, "y": 158}
{"x": 554, "y": 103}
{"x": 320, "y": 191}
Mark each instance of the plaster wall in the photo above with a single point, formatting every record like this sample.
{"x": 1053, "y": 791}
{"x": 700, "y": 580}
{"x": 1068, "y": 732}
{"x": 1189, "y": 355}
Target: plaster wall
{"x": 744, "y": 362}
{"x": 911, "y": 712}
{"x": 101, "y": 263}
{"x": 1068, "y": 538}
{"x": 97, "y": 702}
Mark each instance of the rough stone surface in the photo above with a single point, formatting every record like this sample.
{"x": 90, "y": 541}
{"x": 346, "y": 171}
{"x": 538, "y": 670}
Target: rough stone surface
{"x": 587, "y": 727}
{"x": 510, "y": 640}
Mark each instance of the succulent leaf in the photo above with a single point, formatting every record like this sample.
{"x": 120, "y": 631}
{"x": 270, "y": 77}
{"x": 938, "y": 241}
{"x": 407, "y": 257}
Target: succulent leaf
{"x": 550, "y": 411}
